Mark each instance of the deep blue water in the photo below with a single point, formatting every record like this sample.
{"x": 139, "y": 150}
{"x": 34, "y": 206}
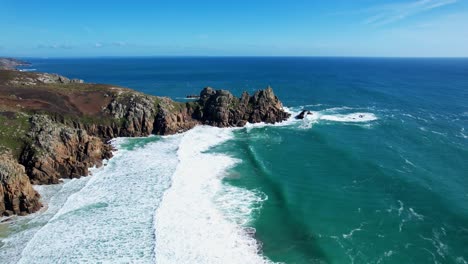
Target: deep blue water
{"x": 389, "y": 189}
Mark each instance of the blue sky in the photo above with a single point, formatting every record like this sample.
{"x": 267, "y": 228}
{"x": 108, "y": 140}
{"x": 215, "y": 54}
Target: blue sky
{"x": 406, "y": 28}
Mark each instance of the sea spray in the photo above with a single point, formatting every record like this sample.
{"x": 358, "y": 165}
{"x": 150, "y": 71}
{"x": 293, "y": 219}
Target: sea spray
{"x": 192, "y": 224}
{"x": 23, "y": 229}
{"x": 111, "y": 219}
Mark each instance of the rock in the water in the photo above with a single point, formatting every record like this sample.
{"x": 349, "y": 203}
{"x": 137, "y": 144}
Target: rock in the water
{"x": 16, "y": 193}
{"x": 303, "y": 114}
{"x": 220, "y": 108}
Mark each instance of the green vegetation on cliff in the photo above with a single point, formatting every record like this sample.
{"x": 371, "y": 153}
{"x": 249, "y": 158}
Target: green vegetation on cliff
{"x": 53, "y": 127}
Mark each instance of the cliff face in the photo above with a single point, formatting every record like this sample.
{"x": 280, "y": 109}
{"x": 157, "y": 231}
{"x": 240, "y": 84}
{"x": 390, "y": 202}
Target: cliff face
{"x": 56, "y": 151}
{"x": 16, "y": 193}
{"x": 220, "y": 108}
{"x": 67, "y": 125}
{"x": 174, "y": 118}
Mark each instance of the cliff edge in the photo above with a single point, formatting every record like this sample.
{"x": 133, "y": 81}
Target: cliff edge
{"x": 52, "y": 127}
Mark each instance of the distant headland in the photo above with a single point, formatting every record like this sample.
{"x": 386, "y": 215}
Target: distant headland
{"x": 12, "y": 64}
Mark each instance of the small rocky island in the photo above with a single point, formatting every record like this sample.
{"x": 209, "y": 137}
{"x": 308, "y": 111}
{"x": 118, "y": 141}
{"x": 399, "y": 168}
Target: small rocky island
{"x": 52, "y": 127}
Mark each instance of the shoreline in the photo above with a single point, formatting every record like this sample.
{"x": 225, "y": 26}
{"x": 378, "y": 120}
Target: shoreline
{"x": 56, "y": 115}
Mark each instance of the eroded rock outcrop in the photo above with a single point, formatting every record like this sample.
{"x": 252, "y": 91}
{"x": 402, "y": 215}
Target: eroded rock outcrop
{"x": 57, "y": 151}
{"x": 174, "y": 117}
{"x": 220, "y": 108}
{"x": 16, "y": 193}
{"x": 65, "y": 126}
{"x": 136, "y": 114}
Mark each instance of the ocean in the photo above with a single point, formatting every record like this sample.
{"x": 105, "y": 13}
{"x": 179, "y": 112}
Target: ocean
{"x": 378, "y": 173}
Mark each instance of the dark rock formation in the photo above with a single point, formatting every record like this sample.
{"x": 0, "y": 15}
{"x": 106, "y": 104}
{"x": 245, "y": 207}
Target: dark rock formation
{"x": 16, "y": 193}
{"x": 135, "y": 113}
{"x": 57, "y": 151}
{"x": 303, "y": 114}
{"x": 174, "y": 117}
{"x": 220, "y": 108}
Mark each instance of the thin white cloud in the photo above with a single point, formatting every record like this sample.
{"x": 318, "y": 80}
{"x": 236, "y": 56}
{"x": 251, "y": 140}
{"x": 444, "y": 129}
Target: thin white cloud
{"x": 391, "y": 13}
{"x": 54, "y": 46}
{"x": 119, "y": 43}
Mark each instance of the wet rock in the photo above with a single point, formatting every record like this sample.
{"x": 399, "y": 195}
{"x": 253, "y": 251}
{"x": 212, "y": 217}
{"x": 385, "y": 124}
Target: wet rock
{"x": 303, "y": 114}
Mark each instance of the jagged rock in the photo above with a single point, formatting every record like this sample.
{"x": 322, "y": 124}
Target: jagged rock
{"x": 173, "y": 118}
{"x": 57, "y": 151}
{"x": 16, "y": 193}
{"x": 72, "y": 133}
{"x": 220, "y": 108}
{"x": 303, "y": 114}
{"x": 137, "y": 113}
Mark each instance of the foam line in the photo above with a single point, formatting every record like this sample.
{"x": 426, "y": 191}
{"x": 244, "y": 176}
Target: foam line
{"x": 110, "y": 220}
{"x": 202, "y": 220}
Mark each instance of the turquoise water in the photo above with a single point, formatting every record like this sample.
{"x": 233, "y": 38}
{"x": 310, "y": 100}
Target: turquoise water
{"x": 390, "y": 187}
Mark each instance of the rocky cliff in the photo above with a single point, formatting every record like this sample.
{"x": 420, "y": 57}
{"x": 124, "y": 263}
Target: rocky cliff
{"x": 16, "y": 193}
{"x": 57, "y": 151}
{"x": 220, "y": 108}
{"x": 60, "y": 128}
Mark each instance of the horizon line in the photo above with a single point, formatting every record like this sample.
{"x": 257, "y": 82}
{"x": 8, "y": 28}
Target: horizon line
{"x": 233, "y": 56}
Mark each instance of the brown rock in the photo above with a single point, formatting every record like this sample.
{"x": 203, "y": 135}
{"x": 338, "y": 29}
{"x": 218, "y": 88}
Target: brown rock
{"x": 57, "y": 151}
{"x": 220, "y": 108}
{"x": 16, "y": 193}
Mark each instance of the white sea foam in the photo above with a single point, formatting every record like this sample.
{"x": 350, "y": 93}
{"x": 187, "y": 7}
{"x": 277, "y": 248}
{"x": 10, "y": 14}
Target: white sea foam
{"x": 350, "y": 234}
{"x": 24, "y": 228}
{"x": 330, "y": 114}
{"x": 202, "y": 220}
{"x": 353, "y": 117}
{"x": 418, "y": 216}
{"x": 110, "y": 220}
{"x": 113, "y": 216}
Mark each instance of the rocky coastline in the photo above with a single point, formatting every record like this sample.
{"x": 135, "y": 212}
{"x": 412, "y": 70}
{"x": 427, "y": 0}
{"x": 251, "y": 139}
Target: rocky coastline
{"x": 52, "y": 127}
{"x": 11, "y": 63}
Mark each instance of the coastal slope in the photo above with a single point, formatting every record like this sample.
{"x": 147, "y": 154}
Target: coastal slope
{"x": 53, "y": 127}
{"x": 11, "y": 63}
